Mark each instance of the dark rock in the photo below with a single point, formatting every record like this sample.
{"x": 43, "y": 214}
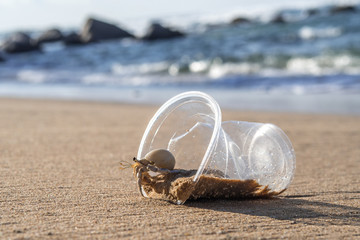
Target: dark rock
{"x": 312, "y": 12}
{"x": 279, "y": 18}
{"x": 95, "y": 30}
{"x": 2, "y": 59}
{"x": 157, "y": 32}
{"x": 52, "y": 35}
{"x": 73, "y": 39}
{"x": 239, "y": 20}
{"x": 342, "y": 9}
{"x": 18, "y": 43}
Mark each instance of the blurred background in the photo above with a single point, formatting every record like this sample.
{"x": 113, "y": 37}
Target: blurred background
{"x": 294, "y": 56}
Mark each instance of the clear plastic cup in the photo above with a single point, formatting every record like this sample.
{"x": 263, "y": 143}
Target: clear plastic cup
{"x": 189, "y": 125}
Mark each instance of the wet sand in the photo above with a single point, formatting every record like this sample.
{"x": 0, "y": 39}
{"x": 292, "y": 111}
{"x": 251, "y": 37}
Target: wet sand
{"x": 60, "y": 178}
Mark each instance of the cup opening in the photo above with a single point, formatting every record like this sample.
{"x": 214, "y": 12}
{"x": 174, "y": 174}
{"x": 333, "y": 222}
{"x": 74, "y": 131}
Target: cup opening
{"x": 168, "y": 108}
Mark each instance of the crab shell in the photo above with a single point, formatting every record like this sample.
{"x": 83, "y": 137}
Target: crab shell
{"x": 161, "y": 158}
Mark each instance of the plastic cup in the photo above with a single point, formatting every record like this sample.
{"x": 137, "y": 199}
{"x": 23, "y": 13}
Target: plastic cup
{"x": 189, "y": 125}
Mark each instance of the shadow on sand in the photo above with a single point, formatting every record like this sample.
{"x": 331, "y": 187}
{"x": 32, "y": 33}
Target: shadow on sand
{"x": 293, "y": 208}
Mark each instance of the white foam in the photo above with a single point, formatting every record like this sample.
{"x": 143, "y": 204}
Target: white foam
{"x": 199, "y": 66}
{"x": 136, "y": 69}
{"x": 324, "y": 65}
{"x": 220, "y": 70}
{"x": 32, "y": 76}
{"x": 304, "y": 66}
{"x": 307, "y": 32}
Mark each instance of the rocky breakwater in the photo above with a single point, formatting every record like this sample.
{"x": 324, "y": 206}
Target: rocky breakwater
{"x": 51, "y": 35}
{"x": 95, "y": 30}
{"x": 156, "y": 31}
{"x": 92, "y": 31}
{"x": 19, "y": 42}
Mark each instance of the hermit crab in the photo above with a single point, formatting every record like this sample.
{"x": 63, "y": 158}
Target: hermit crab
{"x": 157, "y": 161}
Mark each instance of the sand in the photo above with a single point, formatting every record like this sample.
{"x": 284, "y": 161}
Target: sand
{"x": 60, "y": 178}
{"x": 177, "y": 186}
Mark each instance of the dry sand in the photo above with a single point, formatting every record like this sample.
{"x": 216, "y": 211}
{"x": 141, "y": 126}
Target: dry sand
{"x": 60, "y": 178}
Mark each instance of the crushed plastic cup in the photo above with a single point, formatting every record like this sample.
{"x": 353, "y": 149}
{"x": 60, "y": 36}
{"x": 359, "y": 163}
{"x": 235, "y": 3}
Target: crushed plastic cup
{"x": 190, "y": 126}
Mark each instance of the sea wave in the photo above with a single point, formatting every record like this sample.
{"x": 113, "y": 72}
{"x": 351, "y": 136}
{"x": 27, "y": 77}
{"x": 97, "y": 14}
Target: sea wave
{"x": 326, "y": 64}
{"x": 306, "y": 53}
{"x": 295, "y": 79}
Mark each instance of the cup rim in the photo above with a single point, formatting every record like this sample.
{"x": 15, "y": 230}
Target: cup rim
{"x": 185, "y": 97}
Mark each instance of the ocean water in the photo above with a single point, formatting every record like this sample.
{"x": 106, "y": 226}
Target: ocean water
{"x": 309, "y": 64}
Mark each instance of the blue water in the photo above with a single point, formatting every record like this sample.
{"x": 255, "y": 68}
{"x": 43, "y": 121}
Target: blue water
{"x": 308, "y": 56}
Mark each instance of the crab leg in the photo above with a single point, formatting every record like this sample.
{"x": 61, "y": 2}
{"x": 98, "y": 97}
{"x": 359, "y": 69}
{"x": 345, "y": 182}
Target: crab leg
{"x": 139, "y": 178}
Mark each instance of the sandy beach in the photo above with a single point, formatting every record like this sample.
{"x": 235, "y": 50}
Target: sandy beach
{"x": 60, "y": 178}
